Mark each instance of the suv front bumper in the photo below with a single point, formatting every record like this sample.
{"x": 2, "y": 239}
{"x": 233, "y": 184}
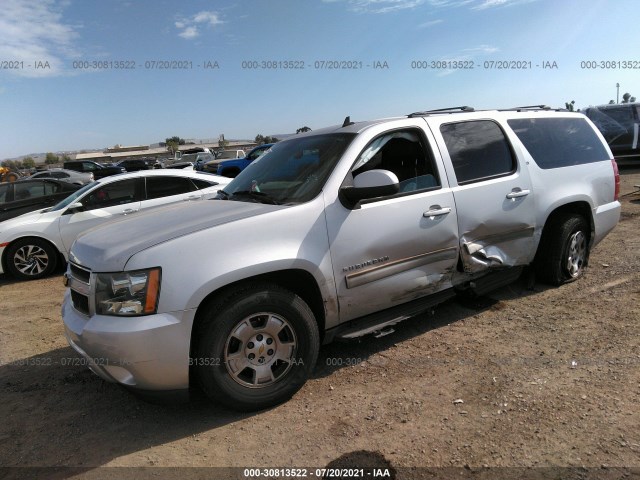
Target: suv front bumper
{"x": 145, "y": 353}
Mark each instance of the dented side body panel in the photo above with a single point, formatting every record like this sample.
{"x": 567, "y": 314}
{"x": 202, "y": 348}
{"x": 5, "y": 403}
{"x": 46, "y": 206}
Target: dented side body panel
{"x": 496, "y": 217}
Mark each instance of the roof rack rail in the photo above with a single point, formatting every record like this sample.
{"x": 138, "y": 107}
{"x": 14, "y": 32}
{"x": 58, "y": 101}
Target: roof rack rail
{"x": 442, "y": 110}
{"x": 527, "y": 107}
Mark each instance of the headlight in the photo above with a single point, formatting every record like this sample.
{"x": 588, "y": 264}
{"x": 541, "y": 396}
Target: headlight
{"x": 128, "y": 293}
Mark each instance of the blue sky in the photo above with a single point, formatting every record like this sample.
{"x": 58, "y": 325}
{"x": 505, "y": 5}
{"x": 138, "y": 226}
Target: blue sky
{"x": 62, "y": 107}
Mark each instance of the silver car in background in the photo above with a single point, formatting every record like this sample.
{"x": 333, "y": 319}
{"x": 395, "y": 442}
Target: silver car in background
{"x": 65, "y": 175}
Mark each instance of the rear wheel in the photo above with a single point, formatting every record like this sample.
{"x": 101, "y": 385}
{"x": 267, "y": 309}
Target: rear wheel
{"x": 564, "y": 250}
{"x": 256, "y": 348}
{"x": 31, "y": 258}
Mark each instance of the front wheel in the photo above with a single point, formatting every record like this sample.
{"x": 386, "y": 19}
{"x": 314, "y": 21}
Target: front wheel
{"x": 564, "y": 250}
{"x": 31, "y": 258}
{"x": 256, "y": 348}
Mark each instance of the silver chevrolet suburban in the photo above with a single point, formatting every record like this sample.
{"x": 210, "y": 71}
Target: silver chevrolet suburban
{"x": 336, "y": 234}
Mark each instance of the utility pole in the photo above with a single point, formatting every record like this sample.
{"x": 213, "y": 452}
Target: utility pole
{"x": 617, "y": 93}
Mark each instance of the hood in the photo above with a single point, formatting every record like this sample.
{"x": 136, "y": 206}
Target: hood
{"x": 109, "y": 247}
{"x": 24, "y": 219}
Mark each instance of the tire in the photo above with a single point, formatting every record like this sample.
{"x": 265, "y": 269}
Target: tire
{"x": 563, "y": 253}
{"x": 256, "y": 347}
{"x": 11, "y": 177}
{"x": 31, "y": 258}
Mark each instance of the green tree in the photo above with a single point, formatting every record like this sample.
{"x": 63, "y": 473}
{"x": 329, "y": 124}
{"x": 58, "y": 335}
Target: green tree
{"x": 569, "y": 105}
{"x": 261, "y": 139}
{"x": 28, "y": 162}
{"x": 173, "y": 143}
{"x": 66, "y": 158}
{"x": 626, "y": 97}
{"x": 51, "y": 159}
{"x": 177, "y": 139}
{"x": 612, "y": 102}
{"x": 11, "y": 165}
{"x": 172, "y": 146}
{"x": 303, "y": 129}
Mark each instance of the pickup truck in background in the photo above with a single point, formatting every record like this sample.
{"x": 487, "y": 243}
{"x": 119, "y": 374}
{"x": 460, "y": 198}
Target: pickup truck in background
{"x": 620, "y": 125}
{"x": 98, "y": 170}
{"x": 336, "y": 234}
{"x": 231, "y": 168}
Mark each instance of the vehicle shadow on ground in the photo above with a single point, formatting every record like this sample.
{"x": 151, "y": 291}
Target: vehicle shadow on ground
{"x": 6, "y": 279}
{"x": 58, "y": 414}
{"x": 339, "y": 355}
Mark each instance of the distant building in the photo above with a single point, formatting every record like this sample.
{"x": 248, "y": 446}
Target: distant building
{"x": 117, "y": 153}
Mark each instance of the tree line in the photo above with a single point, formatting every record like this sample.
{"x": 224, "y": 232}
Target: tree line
{"x": 29, "y": 162}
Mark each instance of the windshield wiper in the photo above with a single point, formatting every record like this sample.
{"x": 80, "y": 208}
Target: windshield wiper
{"x": 258, "y": 196}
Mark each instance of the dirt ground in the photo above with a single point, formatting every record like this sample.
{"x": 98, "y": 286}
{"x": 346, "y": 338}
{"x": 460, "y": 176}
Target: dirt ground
{"x": 528, "y": 378}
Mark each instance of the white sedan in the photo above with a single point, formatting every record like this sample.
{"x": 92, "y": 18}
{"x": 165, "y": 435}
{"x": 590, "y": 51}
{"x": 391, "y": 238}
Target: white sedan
{"x": 32, "y": 244}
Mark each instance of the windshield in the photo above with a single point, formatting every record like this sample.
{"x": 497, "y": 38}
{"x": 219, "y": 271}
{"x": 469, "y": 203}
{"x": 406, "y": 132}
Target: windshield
{"x": 292, "y": 171}
{"x": 73, "y": 197}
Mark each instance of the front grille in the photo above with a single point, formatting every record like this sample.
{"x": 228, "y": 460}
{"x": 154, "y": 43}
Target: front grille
{"x": 79, "y": 282}
{"x": 80, "y": 302}
{"x": 80, "y": 273}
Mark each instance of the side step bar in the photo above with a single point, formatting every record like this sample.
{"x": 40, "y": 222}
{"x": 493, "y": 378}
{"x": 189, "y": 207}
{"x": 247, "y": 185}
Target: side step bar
{"x": 379, "y": 321}
{"x": 495, "y": 280}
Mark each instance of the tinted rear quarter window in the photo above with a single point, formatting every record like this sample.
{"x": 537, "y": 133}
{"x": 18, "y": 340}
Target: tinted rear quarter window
{"x": 158, "y": 187}
{"x": 559, "y": 142}
{"x": 200, "y": 184}
{"x": 478, "y": 149}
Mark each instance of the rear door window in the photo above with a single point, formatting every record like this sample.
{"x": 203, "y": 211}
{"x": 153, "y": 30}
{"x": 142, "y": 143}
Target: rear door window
{"x": 559, "y": 142}
{"x": 478, "y": 149}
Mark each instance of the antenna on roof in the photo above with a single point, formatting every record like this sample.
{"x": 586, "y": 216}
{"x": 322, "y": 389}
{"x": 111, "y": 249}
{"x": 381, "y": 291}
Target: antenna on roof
{"x": 347, "y": 122}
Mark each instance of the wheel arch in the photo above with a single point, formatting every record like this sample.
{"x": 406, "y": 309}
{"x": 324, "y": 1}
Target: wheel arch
{"x": 581, "y": 208}
{"x": 298, "y": 281}
{"x": 60, "y": 256}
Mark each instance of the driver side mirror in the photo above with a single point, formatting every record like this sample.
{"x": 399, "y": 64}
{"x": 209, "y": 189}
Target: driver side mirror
{"x": 370, "y": 184}
{"x": 75, "y": 208}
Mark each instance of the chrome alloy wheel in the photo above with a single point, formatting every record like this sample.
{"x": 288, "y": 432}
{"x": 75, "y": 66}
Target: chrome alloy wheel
{"x": 260, "y": 350}
{"x": 577, "y": 253}
{"x": 31, "y": 260}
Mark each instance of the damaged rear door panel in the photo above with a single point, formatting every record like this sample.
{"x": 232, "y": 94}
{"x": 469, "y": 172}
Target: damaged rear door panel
{"x": 492, "y": 192}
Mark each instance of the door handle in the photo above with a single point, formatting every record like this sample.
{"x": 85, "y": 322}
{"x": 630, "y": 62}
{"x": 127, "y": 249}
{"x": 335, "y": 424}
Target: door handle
{"x": 517, "y": 192}
{"x": 436, "y": 211}
{"x": 128, "y": 211}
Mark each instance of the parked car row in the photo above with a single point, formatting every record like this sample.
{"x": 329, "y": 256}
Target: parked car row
{"x": 31, "y": 245}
